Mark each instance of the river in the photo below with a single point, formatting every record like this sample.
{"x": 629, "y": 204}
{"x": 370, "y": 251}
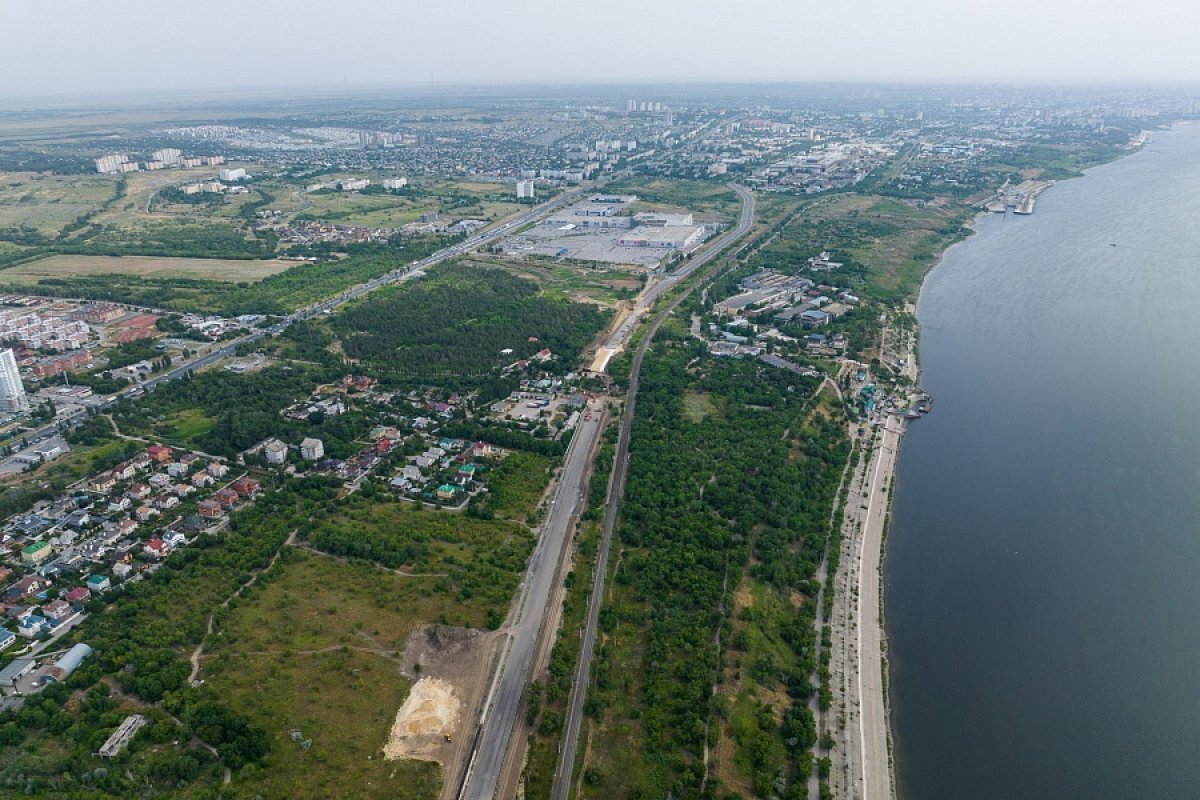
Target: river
{"x": 1043, "y": 563}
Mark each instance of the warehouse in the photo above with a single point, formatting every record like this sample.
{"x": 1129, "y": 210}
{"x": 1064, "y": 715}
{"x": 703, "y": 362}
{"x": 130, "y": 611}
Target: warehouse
{"x": 671, "y": 237}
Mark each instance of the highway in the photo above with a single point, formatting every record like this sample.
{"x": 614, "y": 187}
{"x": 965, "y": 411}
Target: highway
{"x": 504, "y": 698}
{"x": 616, "y": 491}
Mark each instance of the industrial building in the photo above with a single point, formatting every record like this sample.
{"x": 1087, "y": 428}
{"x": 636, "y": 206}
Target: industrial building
{"x": 68, "y": 663}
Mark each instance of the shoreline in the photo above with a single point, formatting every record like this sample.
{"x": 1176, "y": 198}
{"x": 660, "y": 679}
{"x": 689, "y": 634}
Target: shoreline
{"x": 873, "y": 776}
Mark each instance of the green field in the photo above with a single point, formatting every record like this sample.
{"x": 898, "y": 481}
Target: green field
{"x": 48, "y": 203}
{"x": 316, "y": 650}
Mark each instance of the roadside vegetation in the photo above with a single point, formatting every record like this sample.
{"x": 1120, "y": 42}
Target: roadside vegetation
{"x": 739, "y": 495}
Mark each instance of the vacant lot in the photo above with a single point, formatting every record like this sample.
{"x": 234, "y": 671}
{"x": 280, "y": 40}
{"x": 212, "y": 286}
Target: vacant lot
{"x": 318, "y": 650}
{"x": 213, "y": 269}
{"x": 50, "y": 202}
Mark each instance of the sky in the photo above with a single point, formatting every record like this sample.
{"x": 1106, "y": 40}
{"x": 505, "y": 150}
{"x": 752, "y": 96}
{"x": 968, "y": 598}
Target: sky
{"x": 77, "y": 47}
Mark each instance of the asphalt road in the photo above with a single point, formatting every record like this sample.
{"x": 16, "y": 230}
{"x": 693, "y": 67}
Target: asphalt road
{"x": 872, "y": 718}
{"x": 500, "y": 710}
{"x": 616, "y": 491}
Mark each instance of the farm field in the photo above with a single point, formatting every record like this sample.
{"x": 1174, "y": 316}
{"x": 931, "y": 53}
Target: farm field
{"x": 213, "y": 269}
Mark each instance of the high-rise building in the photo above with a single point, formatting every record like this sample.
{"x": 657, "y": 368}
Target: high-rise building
{"x": 167, "y": 155}
{"x": 524, "y": 189}
{"x": 113, "y": 163}
{"x": 12, "y": 391}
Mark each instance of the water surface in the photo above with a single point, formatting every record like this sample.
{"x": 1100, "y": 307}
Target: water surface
{"x": 1043, "y": 565}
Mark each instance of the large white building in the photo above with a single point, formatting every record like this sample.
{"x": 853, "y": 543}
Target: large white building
{"x": 524, "y": 189}
{"x": 167, "y": 155}
{"x": 395, "y": 183}
{"x": 235, "y": 174}
{"x": 12, "y": 391}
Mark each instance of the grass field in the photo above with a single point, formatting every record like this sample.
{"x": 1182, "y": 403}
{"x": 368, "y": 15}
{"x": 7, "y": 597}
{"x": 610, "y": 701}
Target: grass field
{"x": 452, "y": 199}
{"x": 50, "y": 202}
{"x": 213, "y": 269}
{"x": 344, "y": 696}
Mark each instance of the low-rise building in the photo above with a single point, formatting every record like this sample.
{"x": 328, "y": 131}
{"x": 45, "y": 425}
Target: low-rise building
{"x": 312, "y": 449}
{"x": 37, "y": 552}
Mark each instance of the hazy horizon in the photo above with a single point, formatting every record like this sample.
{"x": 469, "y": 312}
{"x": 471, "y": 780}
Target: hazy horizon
{"x": 128, "y": 47}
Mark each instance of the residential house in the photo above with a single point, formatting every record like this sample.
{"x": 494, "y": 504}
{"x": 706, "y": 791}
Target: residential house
{"x": 275, "y": 451}
{"x": 33, "y": 626}
{"x": 139, "y": 491}
{"x": 99, "y": 583}
{"x": 209, "y": 509}
{"x": 447, "y": 491}
{"x": 104, "y": 482}
{"x": 26, "y": 587}
{"x": 7, "y": 637}
{"x": 77, "y": 595}
{"x": 57, "y": 610}
{"x": 159, "y": 453}
{"x": 217, "y": 469}
{"x": 193, "y": 523}
{"x": 78, "y": 519}
{"x": 312, "y": 449}
{"x": 202, "y": 480}
{"x": 226, "y": 497}
{"x": 122, "y": 570}
{"x": 156, "y": 548}
{"x": 247, "y": 487}
{"x": 167, "y": 502}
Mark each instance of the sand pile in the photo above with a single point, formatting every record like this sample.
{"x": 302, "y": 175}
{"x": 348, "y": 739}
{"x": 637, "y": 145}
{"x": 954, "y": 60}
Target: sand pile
{"x": 431, "y": 710}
